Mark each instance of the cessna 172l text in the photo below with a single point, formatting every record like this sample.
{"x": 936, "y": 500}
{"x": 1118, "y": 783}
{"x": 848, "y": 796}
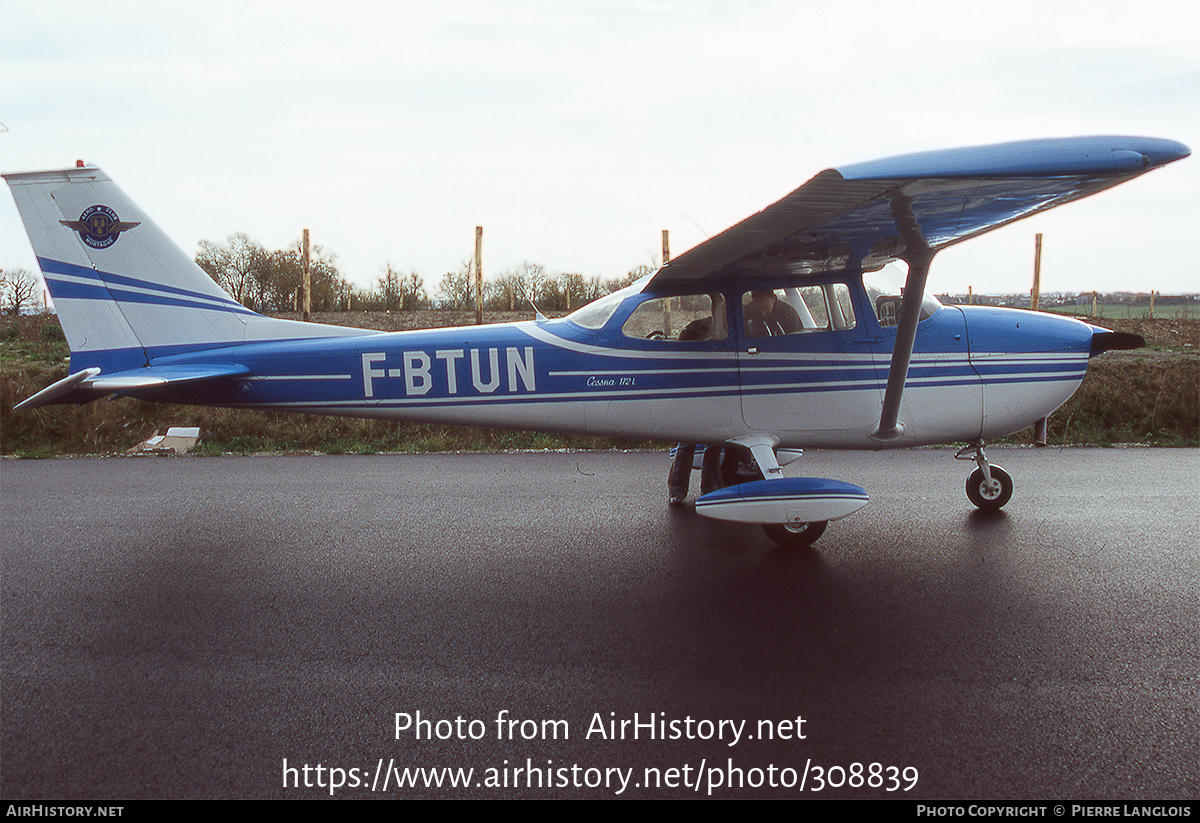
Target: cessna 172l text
{"x": 791, "y": 329}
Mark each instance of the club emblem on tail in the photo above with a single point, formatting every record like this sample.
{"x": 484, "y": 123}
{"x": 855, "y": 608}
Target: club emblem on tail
{"x": 98, "y": 226}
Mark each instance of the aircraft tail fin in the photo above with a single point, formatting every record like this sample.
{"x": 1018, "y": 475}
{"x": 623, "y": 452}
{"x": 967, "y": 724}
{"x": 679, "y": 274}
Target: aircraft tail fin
{"x": 126, "y": 295}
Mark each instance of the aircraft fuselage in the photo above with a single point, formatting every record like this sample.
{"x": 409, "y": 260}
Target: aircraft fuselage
{"x": 975, "y": 372}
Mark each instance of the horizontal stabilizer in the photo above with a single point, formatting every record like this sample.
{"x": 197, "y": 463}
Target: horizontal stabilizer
{"x": 161, "y": 375}
{"x": 55, "y": 392}
{"x": 89, "y": 384}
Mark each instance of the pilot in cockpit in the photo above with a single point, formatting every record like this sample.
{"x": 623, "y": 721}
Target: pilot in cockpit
{"x": 767, "y": 316}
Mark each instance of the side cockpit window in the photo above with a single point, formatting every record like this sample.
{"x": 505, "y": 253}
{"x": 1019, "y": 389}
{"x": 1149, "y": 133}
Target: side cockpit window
{"x": 885, "y": 290}
{"x": 684, "y": 318}
{"x": 797, "y": 309}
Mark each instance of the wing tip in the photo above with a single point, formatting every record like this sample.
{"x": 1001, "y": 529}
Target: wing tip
{"x": 1104, "y": 154}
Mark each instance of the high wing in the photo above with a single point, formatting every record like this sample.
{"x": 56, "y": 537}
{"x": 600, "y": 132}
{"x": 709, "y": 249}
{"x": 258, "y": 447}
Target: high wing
{"x": 870, "y": 214}
{"x": 910, "y": 207}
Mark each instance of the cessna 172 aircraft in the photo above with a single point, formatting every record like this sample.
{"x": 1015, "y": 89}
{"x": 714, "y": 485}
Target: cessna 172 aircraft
{"x": 791, "y": 329}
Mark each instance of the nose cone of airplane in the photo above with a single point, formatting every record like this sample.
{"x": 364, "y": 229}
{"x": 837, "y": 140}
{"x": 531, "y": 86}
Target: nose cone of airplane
{"x": 1001, "y": 333}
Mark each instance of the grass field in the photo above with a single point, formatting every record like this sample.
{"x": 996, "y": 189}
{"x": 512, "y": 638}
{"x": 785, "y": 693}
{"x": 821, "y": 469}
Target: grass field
{"x": 1119, "y": 312}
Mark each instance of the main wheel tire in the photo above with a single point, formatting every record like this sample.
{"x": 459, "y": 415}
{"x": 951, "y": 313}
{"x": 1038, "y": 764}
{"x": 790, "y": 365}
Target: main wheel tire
{"x": 989, "y": 499}
{"x": 795, "y": 535}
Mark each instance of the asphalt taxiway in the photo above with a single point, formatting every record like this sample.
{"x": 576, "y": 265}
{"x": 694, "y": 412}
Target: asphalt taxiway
{"x": 196, "y": 627}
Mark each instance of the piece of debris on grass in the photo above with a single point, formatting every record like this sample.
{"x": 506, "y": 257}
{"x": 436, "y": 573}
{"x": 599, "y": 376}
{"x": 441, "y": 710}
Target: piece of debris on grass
{"x": 177, "y": 440}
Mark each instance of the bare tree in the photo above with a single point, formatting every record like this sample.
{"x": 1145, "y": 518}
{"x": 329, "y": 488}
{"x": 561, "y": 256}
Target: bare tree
{"x": 503, "y": 294}
{"x": 398, "y": 292}
{"x": 457, "y": 289}
{"x": 286, "y": 274}
{"x": 515, "y": 287}
{"x": 268, "y": 280}
{"x": 634, "y": 274}
{"x": 412, "y": 292}
{"x": 532, "y": 279}
{"x": 388, "y": 291}
{"x": 237, "y": 267}
{"x": 577, "y": 290}
{"x": 18, "y": 290}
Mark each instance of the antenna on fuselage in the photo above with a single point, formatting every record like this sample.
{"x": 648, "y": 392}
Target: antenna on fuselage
{"x": 537, "y": 313}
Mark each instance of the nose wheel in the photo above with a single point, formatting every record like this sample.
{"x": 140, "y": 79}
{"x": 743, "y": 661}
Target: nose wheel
{"x": 986, "y": 495}
{"x": 989, "y": 487}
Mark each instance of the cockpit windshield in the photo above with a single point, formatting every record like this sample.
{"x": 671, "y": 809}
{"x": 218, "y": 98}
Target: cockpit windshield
{"x": 885, "y": 288}
{"x": 595, "y": 314}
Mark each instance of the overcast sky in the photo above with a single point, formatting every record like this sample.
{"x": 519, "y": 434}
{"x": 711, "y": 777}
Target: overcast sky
{"x": 574, "y": 133}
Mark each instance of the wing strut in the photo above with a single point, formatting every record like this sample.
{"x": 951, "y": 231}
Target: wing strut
{"x": 918, "y": 255}
{"x": 762, "y": 449}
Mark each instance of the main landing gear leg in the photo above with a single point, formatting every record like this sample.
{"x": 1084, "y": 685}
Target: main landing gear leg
{"x": 989, "y": 487}
{"x": 786, "y": 535}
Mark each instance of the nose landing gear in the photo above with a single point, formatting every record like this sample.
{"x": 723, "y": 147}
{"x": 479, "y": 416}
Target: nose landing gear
{"x": 989, "y": 487}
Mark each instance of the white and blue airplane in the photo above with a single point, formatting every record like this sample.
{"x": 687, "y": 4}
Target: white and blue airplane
{"x": 798, "y": 327}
